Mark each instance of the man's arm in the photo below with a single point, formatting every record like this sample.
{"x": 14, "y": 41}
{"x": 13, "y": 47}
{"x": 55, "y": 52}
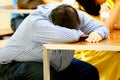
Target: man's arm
{"x": 88, "y": 26}
{"x": 54, "y": 33}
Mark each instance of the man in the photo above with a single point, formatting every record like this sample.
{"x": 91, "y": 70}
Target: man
{"x": 21, "y": 57}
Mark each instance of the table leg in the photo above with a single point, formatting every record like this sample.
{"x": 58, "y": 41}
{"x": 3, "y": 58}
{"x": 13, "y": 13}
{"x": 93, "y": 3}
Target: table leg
{"x": 46, "y": 64}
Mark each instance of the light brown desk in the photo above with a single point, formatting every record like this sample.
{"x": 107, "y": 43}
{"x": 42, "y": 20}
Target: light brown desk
{"x": 10, "y": 9}
{"x": 110, "y": 44}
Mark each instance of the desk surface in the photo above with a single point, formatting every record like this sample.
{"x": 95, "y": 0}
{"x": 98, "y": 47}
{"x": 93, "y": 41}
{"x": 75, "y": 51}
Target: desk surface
{"x": 11, "y": 9}
{"x": 110, "y": 44}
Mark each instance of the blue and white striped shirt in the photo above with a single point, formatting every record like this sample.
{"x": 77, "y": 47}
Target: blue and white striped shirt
{"x": 36, "y": 30}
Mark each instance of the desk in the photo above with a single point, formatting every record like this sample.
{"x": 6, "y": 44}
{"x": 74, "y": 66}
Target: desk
{"x": 112, "y": 43}
{"x": 11, "y": 9}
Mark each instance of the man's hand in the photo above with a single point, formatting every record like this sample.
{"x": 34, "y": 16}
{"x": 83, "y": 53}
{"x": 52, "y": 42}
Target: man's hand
{"x": 94, "y": 37}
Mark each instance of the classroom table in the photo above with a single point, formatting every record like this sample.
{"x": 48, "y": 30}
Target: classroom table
{"x": 11, "y": 9}
{"x": 112, "y": 43}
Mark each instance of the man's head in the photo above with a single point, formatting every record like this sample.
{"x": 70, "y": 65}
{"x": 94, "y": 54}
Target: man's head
{"x": 65, "y": 16}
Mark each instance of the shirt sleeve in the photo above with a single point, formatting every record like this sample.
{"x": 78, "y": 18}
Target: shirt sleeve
{"x": 48, "y": 32}
{"x": 60, "y": 59}
{"x": 88, "y": 25}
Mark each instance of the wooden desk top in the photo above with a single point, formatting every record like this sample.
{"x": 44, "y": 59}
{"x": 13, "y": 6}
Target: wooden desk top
{"x": 6, "y": 31}
{"x": 11, "y": 9}
{"x": 110, "y": 44}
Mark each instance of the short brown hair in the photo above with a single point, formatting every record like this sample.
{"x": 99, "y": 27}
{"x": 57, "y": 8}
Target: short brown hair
{"x": 65, "y": 16}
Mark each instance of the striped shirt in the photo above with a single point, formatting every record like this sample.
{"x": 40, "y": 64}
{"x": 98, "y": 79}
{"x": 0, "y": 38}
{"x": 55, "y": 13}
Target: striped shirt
{"x": 37, "y": 29}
